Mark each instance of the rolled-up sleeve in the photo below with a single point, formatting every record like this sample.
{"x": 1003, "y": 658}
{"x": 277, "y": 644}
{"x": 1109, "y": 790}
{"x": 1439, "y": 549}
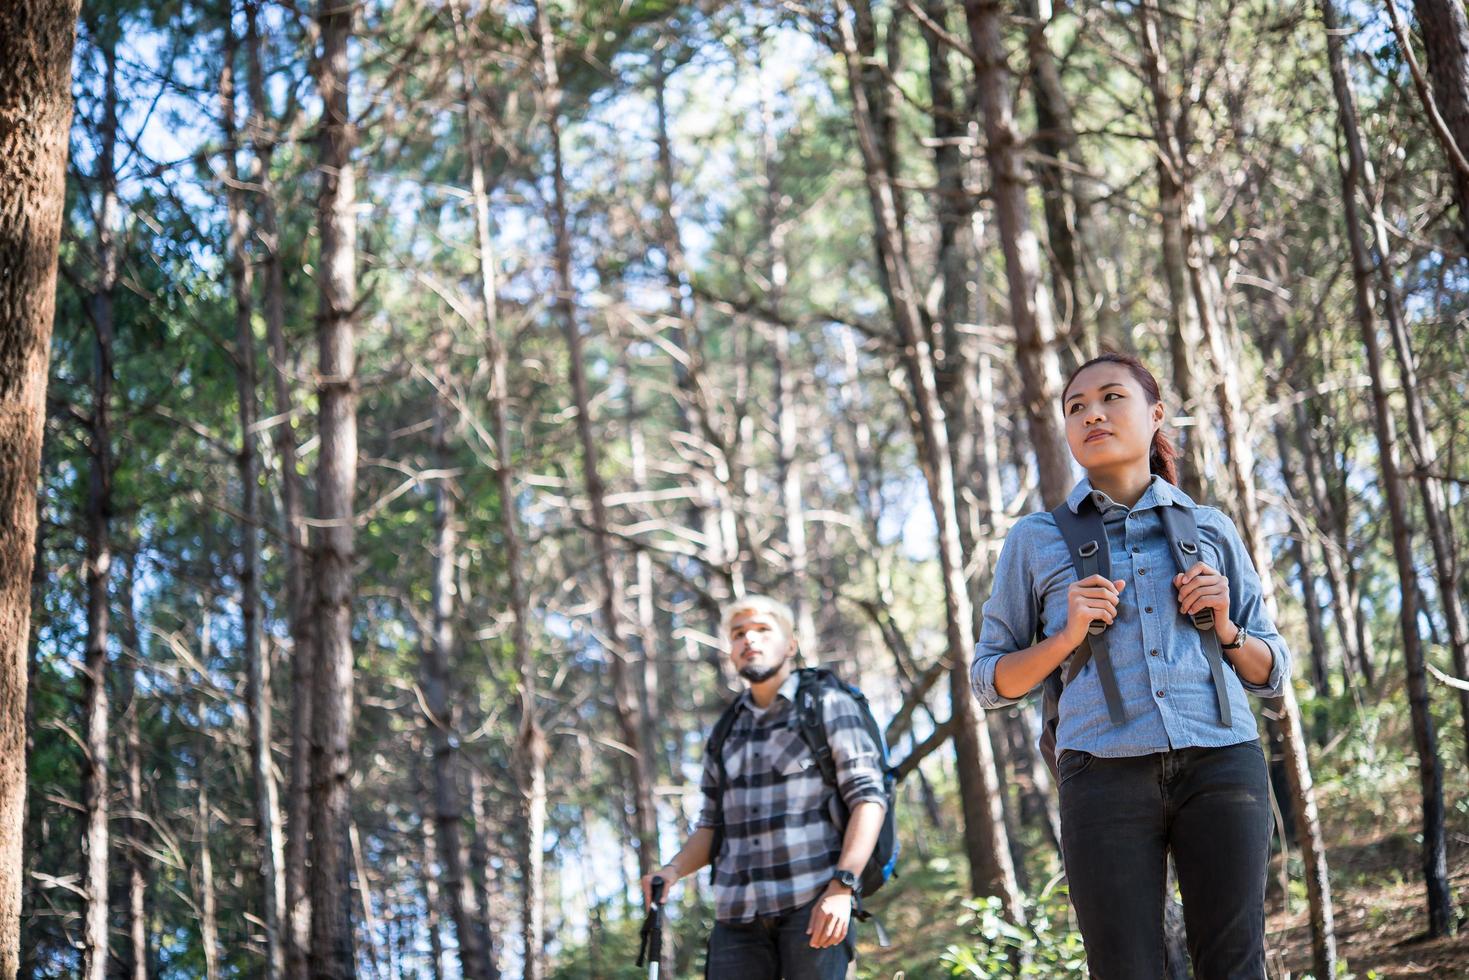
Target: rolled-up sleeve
{"x": 1010, "y": 614}
{"x": 858, "y": 758}
{"x": 1247, "y": 607}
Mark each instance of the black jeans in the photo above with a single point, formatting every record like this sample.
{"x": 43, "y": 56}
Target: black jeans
{"x": 1120, "y": 818}
{"x": 775, "y": 946}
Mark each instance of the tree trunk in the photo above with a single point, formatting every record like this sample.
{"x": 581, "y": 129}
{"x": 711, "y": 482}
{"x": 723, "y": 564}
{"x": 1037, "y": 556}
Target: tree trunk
{"x": 133, "y": 824}
{"x": 1445, "y": 31}
{"x": 481, "y": 822}
{"x": 1430, "y": 771}
{"x": 990, "y": 868}
{"x": 208, "y": 903}
{"x": 257, "y": 663}
{"x": 1343, "y": 604}
{"x": 624, "y": 694}
{"x": 1030, "y": 306}
{"x": 1070, "y": 222}
{"x": 474, "y": 957}
{"x": 430, "y": 881}
{"x": 36, "y": 39}
{"x": 531, "y": 744}
{"x": 332, "y": 702}
{"x": 1306, "y": 572}
{"x": 1185, "y": 334}
{"x": 296, "y": 928}
{"x": 95, "y": 797}
{"x": 787, "y": 382}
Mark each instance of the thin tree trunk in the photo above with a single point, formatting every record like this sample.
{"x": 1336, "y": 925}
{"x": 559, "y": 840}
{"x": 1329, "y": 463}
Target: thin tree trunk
{"x": 1445, "y": 29}
{"x": 1430, "y": 770}
{"x": 1070, "y": 221}
{"x": 624, "y": 695}
{"x": 696, "y": 411}
{"x": 331, "y": 955}
{"x": 371, "y": 929}
{"x": 299, "y": 606}
{"x": 133, "y": 825}
{"x": 531, "y": 743}
{"x": 95, "y": 802}
{"x": 474, "y": 958}
{"x": 1306, "y": 572}
{"x": 257, "y": 663}
{"x": 990, "y": 869}
{"x": 208, "y": 904}
{"x": 36, "y": 39}
{"x": 1343, "y": 606}
{"x": 1185, "y": 334}
{"x": 430, "y": 881}
{"x": 788, "y": 466}
{"x": 481, "y": 822}
{"x": 1030, "y": 306}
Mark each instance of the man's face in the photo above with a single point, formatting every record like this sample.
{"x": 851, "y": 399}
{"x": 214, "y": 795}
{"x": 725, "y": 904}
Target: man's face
{"x": 759, "y": 646}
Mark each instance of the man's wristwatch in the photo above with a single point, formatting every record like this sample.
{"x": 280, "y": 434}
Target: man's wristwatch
{"x": 1239, "y": 640}
{"x": 848, "y": 879}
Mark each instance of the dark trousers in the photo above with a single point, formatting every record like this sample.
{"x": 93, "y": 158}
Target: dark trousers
{"x": 775, "y": 946}
{"x": 1119, "y": 820}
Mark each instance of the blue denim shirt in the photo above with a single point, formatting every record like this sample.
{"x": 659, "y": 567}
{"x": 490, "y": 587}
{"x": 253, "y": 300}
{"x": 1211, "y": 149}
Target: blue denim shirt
{"x": 1156, "y": 651}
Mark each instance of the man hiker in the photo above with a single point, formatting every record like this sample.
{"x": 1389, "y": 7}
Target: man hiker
{"x": 786, "y": 875}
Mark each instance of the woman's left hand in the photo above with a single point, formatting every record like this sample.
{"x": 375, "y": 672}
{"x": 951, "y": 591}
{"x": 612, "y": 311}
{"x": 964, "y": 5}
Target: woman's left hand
{"x": 1200, "y": 588}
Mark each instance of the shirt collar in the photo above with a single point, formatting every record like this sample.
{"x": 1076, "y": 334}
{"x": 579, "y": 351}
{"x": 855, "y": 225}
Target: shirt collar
{"x": 1160, "y": 493}
{"x": 786, "y": 690}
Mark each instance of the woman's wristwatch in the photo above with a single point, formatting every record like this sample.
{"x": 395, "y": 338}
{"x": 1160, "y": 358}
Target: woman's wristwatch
{"x": 1239, "y": 639}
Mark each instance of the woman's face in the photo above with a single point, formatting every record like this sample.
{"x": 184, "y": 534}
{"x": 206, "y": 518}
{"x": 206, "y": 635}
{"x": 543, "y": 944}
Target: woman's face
{"x": 1109, "y": 421}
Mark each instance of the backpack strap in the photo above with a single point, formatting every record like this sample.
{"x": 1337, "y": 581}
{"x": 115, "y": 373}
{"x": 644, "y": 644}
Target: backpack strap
{"x": 1086, "y": 541}
{"x": 1183, "y": 538}
{"x": 715, "y": 751}
{"x": 812, "y": 724}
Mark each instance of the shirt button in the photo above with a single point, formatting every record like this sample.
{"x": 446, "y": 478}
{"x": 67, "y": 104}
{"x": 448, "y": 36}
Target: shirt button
{"x": 1160, "y": 694}
{"x": 1155, "y": 653}
{"x": 1142, "y": 571}
{"x": 1148, "y": 609}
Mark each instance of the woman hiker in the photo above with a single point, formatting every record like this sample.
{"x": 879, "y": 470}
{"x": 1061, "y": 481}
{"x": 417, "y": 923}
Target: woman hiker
{"x": 1156, "y": 645}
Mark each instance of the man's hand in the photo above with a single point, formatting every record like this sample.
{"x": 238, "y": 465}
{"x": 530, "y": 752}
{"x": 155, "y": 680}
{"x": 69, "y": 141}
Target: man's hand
{"x": 669, "y": 876}
{"x": 830, "y": 917}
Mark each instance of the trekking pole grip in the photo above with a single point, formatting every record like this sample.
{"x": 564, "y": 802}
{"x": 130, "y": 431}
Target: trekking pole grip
{"x": 656, "y": 886}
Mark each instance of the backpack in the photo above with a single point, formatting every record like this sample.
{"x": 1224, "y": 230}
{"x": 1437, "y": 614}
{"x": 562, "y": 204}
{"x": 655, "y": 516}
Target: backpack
{"x": 1086, "y": 541}
{"x": 812, "y": 684}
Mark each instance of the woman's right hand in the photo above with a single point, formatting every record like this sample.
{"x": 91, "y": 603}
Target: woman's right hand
{"x": 1093, "y": 599}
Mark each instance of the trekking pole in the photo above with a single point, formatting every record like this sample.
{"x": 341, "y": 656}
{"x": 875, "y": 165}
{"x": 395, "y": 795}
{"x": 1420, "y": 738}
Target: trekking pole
{"x": 651, "y": 947}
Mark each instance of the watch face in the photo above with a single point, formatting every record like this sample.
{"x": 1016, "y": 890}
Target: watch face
{"x": 846, "y": 878}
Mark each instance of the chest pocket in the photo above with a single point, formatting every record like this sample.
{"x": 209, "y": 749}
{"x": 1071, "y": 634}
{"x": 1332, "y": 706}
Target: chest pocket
{"x": 796, "y": 774}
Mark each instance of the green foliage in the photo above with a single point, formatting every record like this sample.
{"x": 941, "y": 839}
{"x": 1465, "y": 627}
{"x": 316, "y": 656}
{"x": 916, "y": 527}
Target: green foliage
{"x": 1043, "y": 944}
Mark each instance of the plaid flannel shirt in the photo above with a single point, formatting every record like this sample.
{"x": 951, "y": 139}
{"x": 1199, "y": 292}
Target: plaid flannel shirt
{"x": 781, "y": 843}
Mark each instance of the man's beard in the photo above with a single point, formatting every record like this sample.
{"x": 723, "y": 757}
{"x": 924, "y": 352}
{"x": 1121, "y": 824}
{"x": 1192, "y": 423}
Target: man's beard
{"x": 756, "y": 674}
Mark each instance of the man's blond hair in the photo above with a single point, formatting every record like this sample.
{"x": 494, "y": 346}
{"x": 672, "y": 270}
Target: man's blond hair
{"x": 761, "y": 604}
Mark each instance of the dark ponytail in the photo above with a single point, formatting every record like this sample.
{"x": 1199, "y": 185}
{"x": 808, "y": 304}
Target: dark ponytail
{"x": 1162, "y": 456}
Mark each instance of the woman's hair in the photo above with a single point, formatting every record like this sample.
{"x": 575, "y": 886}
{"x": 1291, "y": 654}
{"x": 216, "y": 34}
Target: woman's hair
{"x": 1163, "y": 454}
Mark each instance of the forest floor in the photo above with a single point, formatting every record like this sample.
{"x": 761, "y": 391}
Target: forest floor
{"x": 1377, "y": 890}
{"x": 1379, "y": 906}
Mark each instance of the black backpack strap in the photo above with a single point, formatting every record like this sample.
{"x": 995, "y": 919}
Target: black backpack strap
{"x": 1086, "y": 541}
{"x": 715, "y": 751}
{"x": 1183, "y": 538}
{"x": 812, "y": 724}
